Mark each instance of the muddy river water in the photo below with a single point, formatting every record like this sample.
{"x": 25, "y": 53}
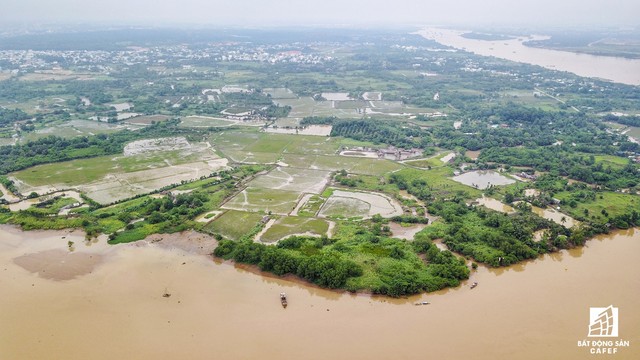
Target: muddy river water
{"x": 616, "y": 69}
{"x": 106, "y": 302}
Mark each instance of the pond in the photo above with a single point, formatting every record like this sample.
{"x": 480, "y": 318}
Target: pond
{"x": 482, "y": 179}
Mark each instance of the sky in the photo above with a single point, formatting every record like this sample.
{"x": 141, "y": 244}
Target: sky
{"x": 323, "y": 12}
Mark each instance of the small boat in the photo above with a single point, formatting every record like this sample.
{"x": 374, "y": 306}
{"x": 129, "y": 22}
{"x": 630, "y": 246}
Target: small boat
{"x": 423, "y": 303}
{"x": 283, "y": 299}
{"x": 473, "y": 285}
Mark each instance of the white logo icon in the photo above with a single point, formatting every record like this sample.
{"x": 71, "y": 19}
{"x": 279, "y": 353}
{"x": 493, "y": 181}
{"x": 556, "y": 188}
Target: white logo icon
{"x": 603, "y": 322}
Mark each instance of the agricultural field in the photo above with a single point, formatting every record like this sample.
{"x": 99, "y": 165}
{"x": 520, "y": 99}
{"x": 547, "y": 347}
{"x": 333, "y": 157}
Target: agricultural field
{"x": 280, "y": 93}
{"x": 234, "y": 224}
{"x": 147, "y": 119}
{"x": 262, "y": 200}
{"x": 111, "y": 178}
{"x": 205, "y": 121}
{"x": 356, "y": 204}
{"x": 75, "y": 128}
{"x": 293, "y": 225}
{"x": 293, "y": 179}
{"x": 354, "y": 165}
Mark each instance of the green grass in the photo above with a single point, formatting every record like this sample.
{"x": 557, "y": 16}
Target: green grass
{"x": 290, "y": 225}
{"x": 312, "y": 206}
{"x": 234, "y": 224}
{"x": 83, "y": 171}
{"x": 613, "y": 203}
{"x": 140, "y": 231}
{"x": 616, "y": 162}
{"x": 335, "y": 162}
{"x": 197, "y": 121}
{"x": 440, "y": 183}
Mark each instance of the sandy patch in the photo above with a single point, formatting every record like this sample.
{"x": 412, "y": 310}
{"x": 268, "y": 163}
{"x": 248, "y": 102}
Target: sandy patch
{"x": 445, "y": 159}
{"x": 190, "y": 241}
{"x": 153, "y": 145}
{"x": 531, "y": 192}
{"x": 317, "y": 130}
{"x": 336, "y": 96}
{"x": 359, "y": 203}
{"x": 59, "y": 264}
{"x": 405, "y": 232}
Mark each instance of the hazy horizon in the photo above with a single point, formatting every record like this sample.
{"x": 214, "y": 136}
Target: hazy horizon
{"x": 254, "y": 13}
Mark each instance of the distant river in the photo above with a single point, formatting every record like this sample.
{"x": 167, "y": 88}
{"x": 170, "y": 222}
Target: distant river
{"x": 616, "y": 69}
{"x": 106, "y": 302}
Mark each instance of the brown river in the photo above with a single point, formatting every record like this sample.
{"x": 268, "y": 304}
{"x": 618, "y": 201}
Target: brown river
{"x": 617, "y": 69}
{"x": 106, "y": 302}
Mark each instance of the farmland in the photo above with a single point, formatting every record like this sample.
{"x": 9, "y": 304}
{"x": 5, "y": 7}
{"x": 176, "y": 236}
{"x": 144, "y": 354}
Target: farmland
{"x": 338, "y": 154}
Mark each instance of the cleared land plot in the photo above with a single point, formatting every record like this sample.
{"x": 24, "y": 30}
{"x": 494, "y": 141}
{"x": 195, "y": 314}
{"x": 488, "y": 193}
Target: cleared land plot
{"x": 288, "y": 121}
{"x": 347, "y": 204}
{"x": 73, "y": 128}
{"x": 482, "y": 179}
{"x": 7, "y": 141}
{"x": 293, "y": 179}
{"x": 336, "y": 96}
{"x": 372, "y": 95}
{"x": 106, "y": 179}
{"x": 205, "y": 121}
{"x": 300, "y": 108}
{"x": 234, "y": 224}
{"x": 351, "y": 104}
{"x": 293, "y": 225}
{"x": 315, "y": 130}
{"x": 425, "y": 163}
{"x": 306, "y": 106}
{"x": 147, "y": 119}
{"x": 155, "y": 145}
{"x": 280, "y": 93}
{"x": 354, "y": 165}
{"x": 264, "y": 200}
{"x": 122, "y": 186}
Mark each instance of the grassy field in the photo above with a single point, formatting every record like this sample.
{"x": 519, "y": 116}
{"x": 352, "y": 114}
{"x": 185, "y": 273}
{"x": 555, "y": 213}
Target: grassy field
{"x": 147, "y": 119}
{"x": 82, "y": 171}
{"x": 234, "y": 224}
{"x": 615, "y": 162}
{"x": 292, "y": 179}
{"x": 351, "y": 164}
{"x": 613, "y": 203}
{"x": 203, "y": 121}
{"x": 264, "y": 200}
{"x": 280, "y": 93}
{"x": 440, "y": 182}
{"x": 312, "y": 206}
{"x": 425, "y": 163}
{"x": 73, "y": 128}
{"x": 292, "y": 225}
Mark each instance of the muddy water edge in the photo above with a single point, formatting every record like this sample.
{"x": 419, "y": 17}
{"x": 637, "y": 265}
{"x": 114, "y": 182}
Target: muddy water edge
{"x": 116, "y": 306}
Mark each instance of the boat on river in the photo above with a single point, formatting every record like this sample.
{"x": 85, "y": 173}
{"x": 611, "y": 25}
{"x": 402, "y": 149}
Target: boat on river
{"x": 473, "y": 285}
{"x": 283, "y": 299}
